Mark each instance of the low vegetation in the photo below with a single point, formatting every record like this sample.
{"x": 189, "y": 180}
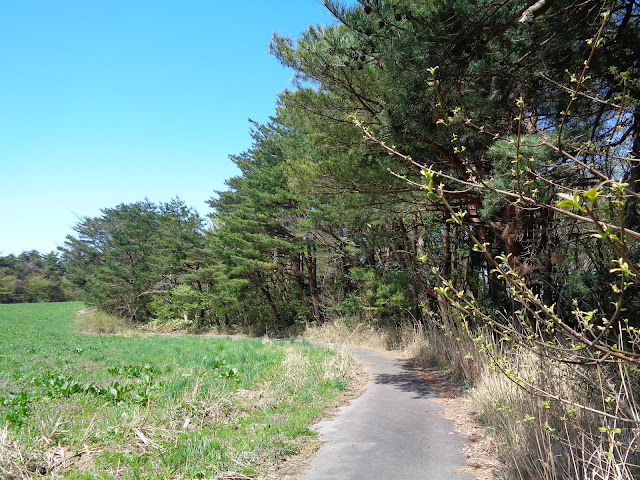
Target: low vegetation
{"x": 92, "y": 320}
{"x": 84, "y": 406}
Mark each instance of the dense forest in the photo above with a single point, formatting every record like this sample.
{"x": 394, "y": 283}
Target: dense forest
{"x": 467, "y": 164}
{"x": 34, "y": 277}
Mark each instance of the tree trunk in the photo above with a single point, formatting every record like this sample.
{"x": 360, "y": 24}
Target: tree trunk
{"x": 298, "y": 266}
{"x": 442, "y": 302}
{"x": 632, "y": 208}
{"x": 446, "y": 245}
{"x": 312, "y": 275}
{"x": 270, "y": 301}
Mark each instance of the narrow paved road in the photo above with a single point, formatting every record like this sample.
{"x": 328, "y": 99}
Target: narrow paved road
{"x": 391, "y": 432}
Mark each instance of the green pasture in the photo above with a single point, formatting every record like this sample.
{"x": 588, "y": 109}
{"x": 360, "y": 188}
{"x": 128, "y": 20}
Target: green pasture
{"x": 74, "y": 405}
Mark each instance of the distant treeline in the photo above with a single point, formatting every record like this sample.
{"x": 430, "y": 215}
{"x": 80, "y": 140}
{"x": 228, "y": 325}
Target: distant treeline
{"x": 34, "y": 277}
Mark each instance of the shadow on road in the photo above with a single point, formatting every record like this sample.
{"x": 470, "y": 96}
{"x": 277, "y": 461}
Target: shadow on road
{"x": 407, "y": 381}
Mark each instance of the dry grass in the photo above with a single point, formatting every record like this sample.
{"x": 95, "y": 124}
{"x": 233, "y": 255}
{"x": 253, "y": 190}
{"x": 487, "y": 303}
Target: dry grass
{"x": 176, "y": 325}
{"x": 503, "y": 408}
{"x": 538, "y": 437}
{"x": 297, "y": 367}
{"x": 551, "y": 440}
{"x": 260, "y": 397}
{"x": 455, "y": 354}
{"x": 340, "y": 366}
{"x": 294, "y": 369}
{"x": 338, "y": 334}
{"x": 12, "y": 460}
{"x": 17, "y": 464}
{"x": 405, "y": 341}
{"x": 92, "y": 320}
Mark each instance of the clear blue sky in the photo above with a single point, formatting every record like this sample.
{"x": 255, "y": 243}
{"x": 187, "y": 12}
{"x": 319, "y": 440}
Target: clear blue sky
{"x": 111, "y": 101}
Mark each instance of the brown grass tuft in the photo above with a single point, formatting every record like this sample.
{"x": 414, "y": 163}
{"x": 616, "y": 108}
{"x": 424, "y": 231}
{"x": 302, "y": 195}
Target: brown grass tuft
{"x": 402, "y": 341}
{"x": 12, "y": 461}
{"x": 92, "y": 320}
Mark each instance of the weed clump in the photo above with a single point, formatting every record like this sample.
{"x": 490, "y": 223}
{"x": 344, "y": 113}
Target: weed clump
{"x": 92, "y": 320}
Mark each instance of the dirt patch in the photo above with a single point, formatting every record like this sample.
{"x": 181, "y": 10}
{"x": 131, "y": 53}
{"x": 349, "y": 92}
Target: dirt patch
{"x": 52, "y": 462}
{"x": 481, "y": 450}
{"x": 57, "y": 460}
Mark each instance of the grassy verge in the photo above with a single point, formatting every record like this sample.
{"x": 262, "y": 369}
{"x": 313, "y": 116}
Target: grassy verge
{"x": 154, "y": 407}
{"x": 407, "y": 340}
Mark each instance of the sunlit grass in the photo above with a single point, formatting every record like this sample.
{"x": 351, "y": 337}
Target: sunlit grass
{"x": 156, "y": 407}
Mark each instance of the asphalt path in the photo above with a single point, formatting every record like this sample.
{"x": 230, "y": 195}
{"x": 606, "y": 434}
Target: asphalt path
{"x": 391, "y": 432}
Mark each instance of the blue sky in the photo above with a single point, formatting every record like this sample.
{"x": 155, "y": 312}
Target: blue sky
{"x": 108, "y": 102}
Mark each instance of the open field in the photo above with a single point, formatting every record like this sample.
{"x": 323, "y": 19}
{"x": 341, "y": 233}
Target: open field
{"x": 155, "y": 407}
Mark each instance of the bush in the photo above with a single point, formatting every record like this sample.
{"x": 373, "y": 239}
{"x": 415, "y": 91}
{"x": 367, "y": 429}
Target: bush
{"x": 92, "y": 320}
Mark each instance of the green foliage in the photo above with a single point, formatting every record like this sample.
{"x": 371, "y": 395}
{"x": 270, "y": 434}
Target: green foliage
{"x": 128, "y": 259}
{"x": 34, "y": 277}
{"x": 262, "y": 257}
{"x": 16, "y": 407}
{"x": 528, "y": 154}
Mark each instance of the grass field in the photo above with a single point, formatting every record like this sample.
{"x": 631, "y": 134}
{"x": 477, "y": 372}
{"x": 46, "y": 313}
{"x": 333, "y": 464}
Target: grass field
{"x": 152, "y": 407}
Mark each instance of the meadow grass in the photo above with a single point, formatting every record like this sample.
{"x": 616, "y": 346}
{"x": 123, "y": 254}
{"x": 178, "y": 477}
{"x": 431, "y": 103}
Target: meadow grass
{"x": 155, "y": 407}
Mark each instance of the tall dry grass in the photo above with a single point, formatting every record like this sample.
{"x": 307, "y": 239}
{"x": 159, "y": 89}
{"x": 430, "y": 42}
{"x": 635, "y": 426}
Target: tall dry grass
{"x": 12, "y": 459}
{"x": 544, "y": 413}
{"x": 338, "y": 333}
{"x": 556, "y": 432}
{"x": 92, "y": 320}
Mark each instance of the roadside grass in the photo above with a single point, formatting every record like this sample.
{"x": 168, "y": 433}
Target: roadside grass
{"x": 88, "y": 407}
{"x": 402, "y": 341}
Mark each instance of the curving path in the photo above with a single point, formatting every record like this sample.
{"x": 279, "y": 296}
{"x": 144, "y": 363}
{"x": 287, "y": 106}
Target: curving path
{"x": 391, "y": 432}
